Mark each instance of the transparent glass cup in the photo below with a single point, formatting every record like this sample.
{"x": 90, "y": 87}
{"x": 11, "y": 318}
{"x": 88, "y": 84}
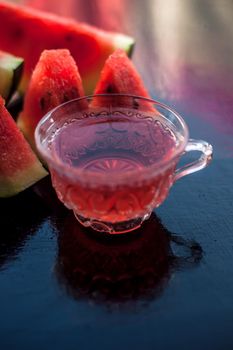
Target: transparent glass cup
{"x": 113, "y": 158}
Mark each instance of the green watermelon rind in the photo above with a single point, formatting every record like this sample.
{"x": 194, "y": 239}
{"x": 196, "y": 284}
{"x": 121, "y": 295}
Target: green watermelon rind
{"x": 125, "y": 43}
{"x": 21, "y": 180}
{"x": 11, "y": 69}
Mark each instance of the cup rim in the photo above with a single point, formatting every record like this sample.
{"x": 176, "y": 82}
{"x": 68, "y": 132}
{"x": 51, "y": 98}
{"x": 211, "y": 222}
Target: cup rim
{"x": 84, "y": 175}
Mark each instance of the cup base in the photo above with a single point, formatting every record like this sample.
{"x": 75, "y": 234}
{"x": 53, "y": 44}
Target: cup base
{"x": 112, "y": 228}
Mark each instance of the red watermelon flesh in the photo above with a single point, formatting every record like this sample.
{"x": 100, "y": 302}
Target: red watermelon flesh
{"x": 55, "y": 80}
{"x": 119, "y": 76}
{"x": 26, "y": 33}
{"x": 19, "y": 166}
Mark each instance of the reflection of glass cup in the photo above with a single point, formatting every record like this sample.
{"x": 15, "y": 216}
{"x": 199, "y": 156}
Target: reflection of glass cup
{"x": 132, "y": 268}
{"x": 113, "y": 157}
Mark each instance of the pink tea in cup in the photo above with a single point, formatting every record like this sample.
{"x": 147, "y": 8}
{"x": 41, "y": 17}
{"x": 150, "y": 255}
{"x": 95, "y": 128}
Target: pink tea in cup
{"x": 113, "y": 162}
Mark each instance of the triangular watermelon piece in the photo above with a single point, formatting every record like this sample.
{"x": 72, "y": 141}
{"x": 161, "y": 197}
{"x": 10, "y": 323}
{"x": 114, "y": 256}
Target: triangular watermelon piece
{"x": 55, "y": 80}
{"x": 26, "y": 32}
{"x": 119, "y": 75}
{"x": 19, "y": 166}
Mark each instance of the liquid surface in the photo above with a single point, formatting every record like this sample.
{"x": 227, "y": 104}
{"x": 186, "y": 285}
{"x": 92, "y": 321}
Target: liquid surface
{"x": 114, "y": 144}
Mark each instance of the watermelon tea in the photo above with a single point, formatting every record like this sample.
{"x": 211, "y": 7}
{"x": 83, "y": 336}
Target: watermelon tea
{"x": 113, "y": 158}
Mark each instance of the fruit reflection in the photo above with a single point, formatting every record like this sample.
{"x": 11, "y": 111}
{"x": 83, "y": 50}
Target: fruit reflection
{"x": 119, "y": 269}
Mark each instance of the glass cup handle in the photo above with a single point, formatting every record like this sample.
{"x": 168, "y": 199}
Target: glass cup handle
{"x": 195, "y": 145}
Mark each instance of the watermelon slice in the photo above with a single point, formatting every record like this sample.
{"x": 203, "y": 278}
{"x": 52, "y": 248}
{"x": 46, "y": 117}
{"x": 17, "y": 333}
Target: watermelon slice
{"x": 11, "y": 69}
{"x": 119, "y": 76}
{"x": 55, "y": 80}
{"x": 19, "y": 167}
{"x": 26, "y": 33}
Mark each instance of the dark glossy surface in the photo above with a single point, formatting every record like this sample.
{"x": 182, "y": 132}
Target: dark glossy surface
{"x": 170, "y": 285}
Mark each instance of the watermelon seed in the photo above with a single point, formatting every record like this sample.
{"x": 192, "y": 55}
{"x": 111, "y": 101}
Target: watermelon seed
{"x": 110, "y": 89}
{"x": 135, "y": 104}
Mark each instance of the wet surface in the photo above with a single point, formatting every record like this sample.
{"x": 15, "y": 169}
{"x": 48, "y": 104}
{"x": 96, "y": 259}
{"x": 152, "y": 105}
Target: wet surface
{"x": 120, "y": 271}
{"x": 171, "y": 284}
